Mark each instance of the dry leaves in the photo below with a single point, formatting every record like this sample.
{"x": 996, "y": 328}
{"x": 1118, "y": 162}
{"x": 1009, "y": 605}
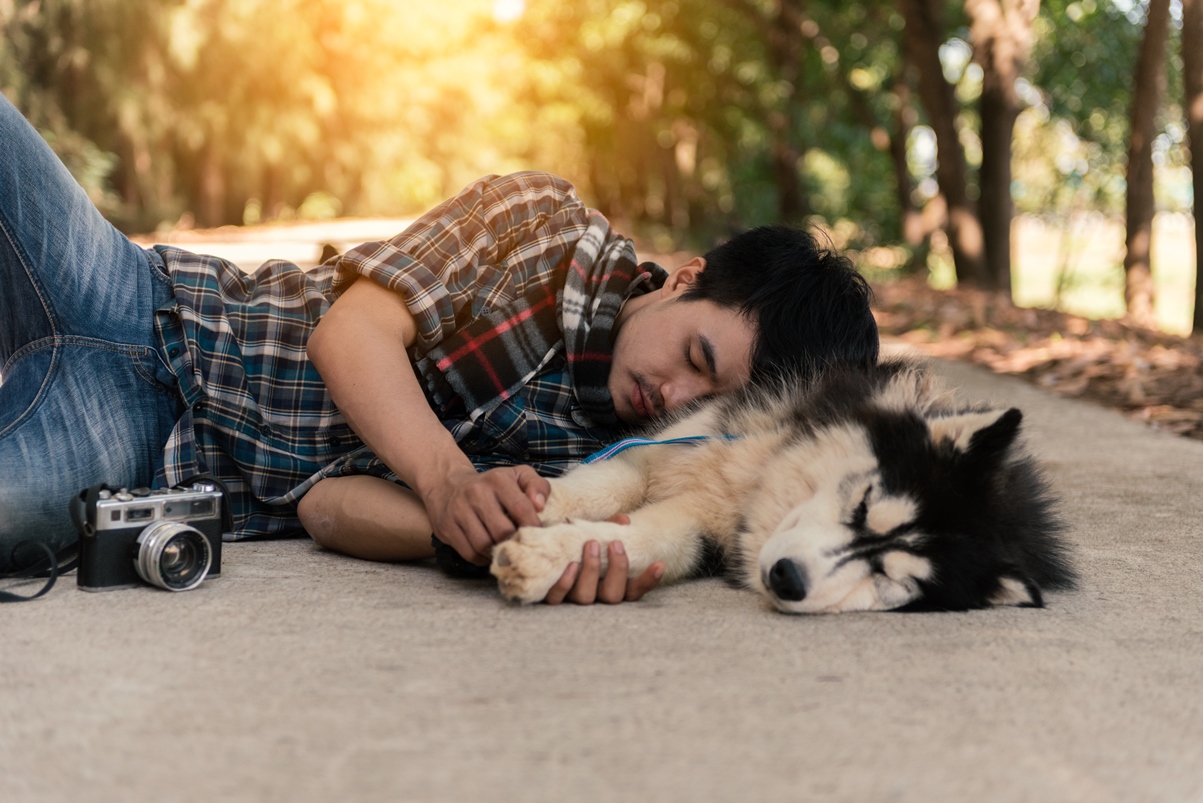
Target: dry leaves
{"x": 1150, "y": 376}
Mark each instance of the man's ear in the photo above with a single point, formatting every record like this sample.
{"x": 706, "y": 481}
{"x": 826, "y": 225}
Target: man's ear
{"x": 684, "y": 276}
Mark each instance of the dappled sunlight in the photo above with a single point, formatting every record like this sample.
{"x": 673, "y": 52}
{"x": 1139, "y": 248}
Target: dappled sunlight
{"x": 681, "y": 120}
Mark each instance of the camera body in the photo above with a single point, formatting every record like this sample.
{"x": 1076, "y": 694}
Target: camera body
{"x": 170, "y": 538}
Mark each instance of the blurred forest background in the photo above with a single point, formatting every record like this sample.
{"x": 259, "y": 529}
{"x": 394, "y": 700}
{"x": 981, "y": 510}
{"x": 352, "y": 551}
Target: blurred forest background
{"x": 1036, "y": 148}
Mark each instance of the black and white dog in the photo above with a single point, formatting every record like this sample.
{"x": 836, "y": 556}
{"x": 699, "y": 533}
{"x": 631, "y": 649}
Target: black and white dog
{"x": 863, "y": 490}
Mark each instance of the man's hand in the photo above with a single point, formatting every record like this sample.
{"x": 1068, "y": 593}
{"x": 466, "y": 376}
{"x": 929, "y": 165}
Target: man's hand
{"x": 473, "y": 511}
{"x": 580, "y": 582}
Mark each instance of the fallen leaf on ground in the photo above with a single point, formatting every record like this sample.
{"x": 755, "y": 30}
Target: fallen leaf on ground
{"x": 1150, "y": 376}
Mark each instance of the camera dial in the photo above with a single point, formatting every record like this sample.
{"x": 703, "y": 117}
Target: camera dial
{"x": 173, "y": 556}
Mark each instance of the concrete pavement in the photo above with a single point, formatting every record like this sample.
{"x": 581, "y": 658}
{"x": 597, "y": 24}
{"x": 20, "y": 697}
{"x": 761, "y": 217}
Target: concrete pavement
{"x": 304, "y": 676}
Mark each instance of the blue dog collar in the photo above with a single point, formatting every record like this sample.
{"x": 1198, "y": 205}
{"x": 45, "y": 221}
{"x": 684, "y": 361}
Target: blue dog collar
{"x": 627, "y": 443}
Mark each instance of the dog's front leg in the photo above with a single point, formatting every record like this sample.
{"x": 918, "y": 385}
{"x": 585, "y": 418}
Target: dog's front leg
{"x": 596, "y": 491}
{"x": 530, "y": 563}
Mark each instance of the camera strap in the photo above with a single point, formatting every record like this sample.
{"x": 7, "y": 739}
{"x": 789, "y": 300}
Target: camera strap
{"x": 49, "y": 564}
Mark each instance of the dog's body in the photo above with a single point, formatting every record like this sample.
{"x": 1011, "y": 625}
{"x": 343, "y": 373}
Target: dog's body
{"x": 865, "y": 490}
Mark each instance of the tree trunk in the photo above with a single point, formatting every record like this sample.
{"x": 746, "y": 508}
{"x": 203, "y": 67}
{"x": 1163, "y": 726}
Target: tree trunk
{"x": 785, "y": 53}
{"x": 1001, "y": 31}
{"x": 1192, "y": 62}
{"x": 211, "y": 200}
{"x": 894, "y": 142}
{"x": 924, "y": 36}
{"x": 911, "y": 219}
{"x": 1147, "y": 92}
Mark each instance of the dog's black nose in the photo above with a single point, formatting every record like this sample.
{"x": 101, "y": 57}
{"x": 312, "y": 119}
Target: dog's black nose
{"x": 787, "y": 580}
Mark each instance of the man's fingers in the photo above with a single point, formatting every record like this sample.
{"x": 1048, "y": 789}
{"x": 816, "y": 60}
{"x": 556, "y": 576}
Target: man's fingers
{"x": 560, "y": 590}
{"x": 638, "y": 586}
{"x": 483, "y": 504}
{"x": 476, "y": 535}
{"x": 536, "y": 488}
{"x": 584, "y": 590}
{"x": 518, "y": 506}
{"x": 496, "y": 523}
{"x": 613, "y": 586}
{"x": 620, "y": 518}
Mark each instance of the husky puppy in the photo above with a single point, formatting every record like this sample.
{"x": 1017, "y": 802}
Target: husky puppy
{"x": 866, "y": 489}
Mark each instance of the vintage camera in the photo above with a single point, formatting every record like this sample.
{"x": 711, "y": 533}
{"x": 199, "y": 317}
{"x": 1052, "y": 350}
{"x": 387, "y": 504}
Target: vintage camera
{"x": 168, "y": 538}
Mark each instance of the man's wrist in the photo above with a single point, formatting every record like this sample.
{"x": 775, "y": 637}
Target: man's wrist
{"x": 441, "y": 472}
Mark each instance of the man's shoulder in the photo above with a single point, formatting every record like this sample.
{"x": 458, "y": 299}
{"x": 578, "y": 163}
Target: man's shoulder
{"x": 532, "y": 184}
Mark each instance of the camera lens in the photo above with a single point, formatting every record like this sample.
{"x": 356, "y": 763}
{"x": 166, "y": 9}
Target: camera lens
{"x": 173, "y": 556}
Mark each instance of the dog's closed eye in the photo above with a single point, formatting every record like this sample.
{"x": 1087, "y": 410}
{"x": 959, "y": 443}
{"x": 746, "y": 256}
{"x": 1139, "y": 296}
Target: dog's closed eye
{"x": 889, "y": 513}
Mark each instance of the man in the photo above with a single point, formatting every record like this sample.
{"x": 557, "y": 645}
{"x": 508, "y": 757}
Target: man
{"x": 508, "y": 328}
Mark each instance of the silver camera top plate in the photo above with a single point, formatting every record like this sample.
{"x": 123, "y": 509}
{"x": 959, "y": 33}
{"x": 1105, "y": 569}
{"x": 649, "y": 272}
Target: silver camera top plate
{"x": 124, "y": 508}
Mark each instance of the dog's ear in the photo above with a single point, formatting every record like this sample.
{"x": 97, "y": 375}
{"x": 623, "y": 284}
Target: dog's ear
{"x": 982, "y": 434}
{"x": 1017, "y": 590}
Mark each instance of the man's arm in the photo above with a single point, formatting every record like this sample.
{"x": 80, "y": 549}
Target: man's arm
{"x": 359, "y": 348}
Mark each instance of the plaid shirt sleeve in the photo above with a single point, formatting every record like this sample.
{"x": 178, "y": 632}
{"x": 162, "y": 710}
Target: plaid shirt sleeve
{"x": 477, "y": 250}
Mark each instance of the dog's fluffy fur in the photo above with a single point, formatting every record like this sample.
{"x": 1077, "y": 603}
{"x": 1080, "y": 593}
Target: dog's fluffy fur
{"x": 864, "y": 490}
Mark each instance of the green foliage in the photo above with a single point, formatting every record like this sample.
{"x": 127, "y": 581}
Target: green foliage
{"x": 212, "y": 107}
{"x": 1072, "y": 148}
{"x": 684, "y": 118}
{"x": 684, "y": 100}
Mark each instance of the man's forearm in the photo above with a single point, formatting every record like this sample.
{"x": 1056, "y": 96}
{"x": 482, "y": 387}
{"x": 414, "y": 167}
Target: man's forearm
{"x": 360, "y": 351}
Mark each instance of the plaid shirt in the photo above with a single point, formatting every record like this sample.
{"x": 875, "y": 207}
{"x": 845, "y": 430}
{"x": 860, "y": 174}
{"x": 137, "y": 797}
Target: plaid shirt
{"x": 258, "y": 414}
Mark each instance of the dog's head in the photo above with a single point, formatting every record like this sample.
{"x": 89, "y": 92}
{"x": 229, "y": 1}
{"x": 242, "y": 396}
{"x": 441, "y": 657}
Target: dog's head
{"x": 892, "y": 510}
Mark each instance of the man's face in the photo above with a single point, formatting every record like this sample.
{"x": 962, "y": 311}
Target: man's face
{"x": 668, "y": 352}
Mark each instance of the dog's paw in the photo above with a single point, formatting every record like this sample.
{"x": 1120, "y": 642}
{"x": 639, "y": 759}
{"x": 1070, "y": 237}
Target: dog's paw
{"x": 558, "y": 508}
{"x": 530, "y": 563}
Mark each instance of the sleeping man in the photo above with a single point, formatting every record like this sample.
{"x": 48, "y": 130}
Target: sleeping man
{"x": 427, "y": 384}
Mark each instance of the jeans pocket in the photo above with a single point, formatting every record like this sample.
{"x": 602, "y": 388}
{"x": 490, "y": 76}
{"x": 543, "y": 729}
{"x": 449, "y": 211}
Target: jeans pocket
{"x": 158, "y": 267}
{"x": 154, "y": 369}
{"x": 27, "y": 379}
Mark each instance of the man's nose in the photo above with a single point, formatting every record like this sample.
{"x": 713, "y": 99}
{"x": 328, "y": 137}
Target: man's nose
{"x": 682, "y": 391}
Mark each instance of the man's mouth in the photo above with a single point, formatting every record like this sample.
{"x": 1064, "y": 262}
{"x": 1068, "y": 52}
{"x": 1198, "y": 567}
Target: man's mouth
{"x": 641, "y": 402}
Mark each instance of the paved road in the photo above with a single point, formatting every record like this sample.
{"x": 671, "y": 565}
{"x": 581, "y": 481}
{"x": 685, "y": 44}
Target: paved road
{"x": 303, "y": 676}
{"x": 300, "y": 243}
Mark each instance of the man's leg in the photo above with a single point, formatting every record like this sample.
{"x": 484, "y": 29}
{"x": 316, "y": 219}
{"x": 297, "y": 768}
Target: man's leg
{"x": 366, "y": 517}
{"x": 84, "y": 396}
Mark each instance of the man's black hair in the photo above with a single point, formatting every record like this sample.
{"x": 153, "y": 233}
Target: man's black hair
{"x": 810, "y": 306}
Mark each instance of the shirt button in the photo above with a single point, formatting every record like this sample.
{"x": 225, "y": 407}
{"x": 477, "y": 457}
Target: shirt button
{"x": 265, "y": 430}
{"x": 486, "y": 311}
{"x": 173, "y": 352}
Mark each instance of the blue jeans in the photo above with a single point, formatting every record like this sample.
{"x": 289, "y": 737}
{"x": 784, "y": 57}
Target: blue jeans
{"x": 85, "y": 394}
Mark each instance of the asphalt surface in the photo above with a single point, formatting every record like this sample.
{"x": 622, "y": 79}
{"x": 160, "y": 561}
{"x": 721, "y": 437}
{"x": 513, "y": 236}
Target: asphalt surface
{"x": 300, "y": 675}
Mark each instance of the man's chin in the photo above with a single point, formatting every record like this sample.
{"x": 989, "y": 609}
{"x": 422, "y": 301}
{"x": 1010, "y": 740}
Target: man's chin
{"x": 627, "y": 414}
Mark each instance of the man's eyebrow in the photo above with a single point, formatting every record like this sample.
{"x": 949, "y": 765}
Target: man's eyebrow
{"x": 708, "y": 354}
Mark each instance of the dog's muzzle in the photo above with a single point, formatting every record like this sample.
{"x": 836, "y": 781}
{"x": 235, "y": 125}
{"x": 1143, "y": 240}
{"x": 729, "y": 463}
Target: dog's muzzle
{"x": 787, "y": 580}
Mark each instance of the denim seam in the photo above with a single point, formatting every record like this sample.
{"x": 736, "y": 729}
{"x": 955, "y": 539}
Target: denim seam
{"x": 12, "y": 242}
{"x": 128, "y": 349}
{"x": 148, "y": 377}
{"x": 74, "y": 340}
{"x": 37, "y": 401}
{"x": 163, "y": 276}
{"x": 26, "y": 350}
